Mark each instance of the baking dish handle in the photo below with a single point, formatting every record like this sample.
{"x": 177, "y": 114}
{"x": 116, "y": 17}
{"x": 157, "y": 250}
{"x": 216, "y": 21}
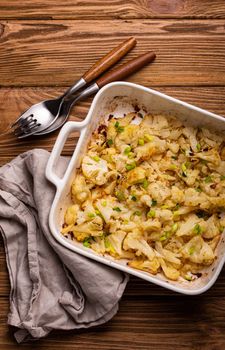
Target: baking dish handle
{"x": 57, "y": 149}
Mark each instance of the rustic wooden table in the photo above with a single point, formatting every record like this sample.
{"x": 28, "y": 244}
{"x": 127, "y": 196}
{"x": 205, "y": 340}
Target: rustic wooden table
{"x": 45, "y": 45}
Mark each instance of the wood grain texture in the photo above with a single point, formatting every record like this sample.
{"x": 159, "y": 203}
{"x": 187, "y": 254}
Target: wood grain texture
{"x": 147, "y": 323}
{"x": 73, "y": 9}
{"x": 45, "y": 47}
{"x": 17, "y": 100}
{"x": 57, "y": 53}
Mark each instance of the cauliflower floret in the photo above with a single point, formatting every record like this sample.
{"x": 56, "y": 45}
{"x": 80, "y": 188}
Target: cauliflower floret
{"x": 194, "y": 199}
{"x": 190, "y": 133}
{"x": 98, "y": 245}
{"x": 151, "y": 225}
{"x": 134, "y": 241}
{"x": 211, "y": 156}
{"x": 191, "y": 177}
{"x": 95, "y": 169}
{"x": 177, "y": 195}
{"x": 105, "y": 206}
{"x": 146, "y": 199}
{"x": 79, "y": 189}
{"x": 187, "y": 228}
{"x": 146, "y": 151}
{"x": 169, "y": 271}
{"x": 173, "y": 147}
{"x": 128, "y": 136}
{"x": 116, "y": 241}
{"x": 159, "y": 191}
{"x": 212, "y": 228}
{"x": 71, "y": 214}
{"x": 145, "y": 265}
{"x": 220, "y": 168}
{"x": 156, "y": 122}
{"x": 167, "y": 255}
{"x": 164, "y": 214}
{"x": 91, "y": 228}
{"x": 198, "y": 251}
{"x": 135, "y": 176}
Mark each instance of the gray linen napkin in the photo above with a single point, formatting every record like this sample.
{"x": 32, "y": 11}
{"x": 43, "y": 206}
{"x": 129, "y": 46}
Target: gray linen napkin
{"x": 51, "y": 286}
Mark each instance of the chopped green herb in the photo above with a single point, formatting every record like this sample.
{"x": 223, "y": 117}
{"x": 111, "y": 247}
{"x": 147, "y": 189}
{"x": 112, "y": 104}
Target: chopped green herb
{"x": 120, "y": 195}
{"x": 221, "y": 228}
{"x": 104, "y": 203}
{"x": 148, "y": 137}
{"x": 164, "y": 206}
{"x": 141, "y": 142}
{"x": 176, "y": 213}
{"x": 154, "y": 203}
{"x": 198, "y": 189}
{"x": 173, "y": 167}
{"x": 165, "y": 236}
{"x": 133, "y": 198}
{"x": 184, "y": 170}
{"x": 127, "y": 150}
{"x": 198, "y": 147}
{"x": 222, "y": 177}
{"x": 191, "y": 250}
{"x": 117, "y": 209}
{"x": 86, "y": 242}
{"x": 98, "y": 213}
{"x": 96, "y": 158}
{"x": 130, "y": 166}
{"x": 203, "y": 161}
{"x": 130, "y": 155}
{"x": 138, "y": 213}
{"x": 188, "y": 278}
{"x": 91, "y": 215}
{"x": 208, "y": 179}
{"x": 145, "y": 183}
{"x": 174, "y": 227}
{"x": 118, "y": 128}
{"x": 187, "y": 164}
{"x": 197, "y": 229}
{"x": 110, "y": 142}
{"x": 177, "y": 206}
{"x": 109, "y": 246}
{"x": 151, "y": 213}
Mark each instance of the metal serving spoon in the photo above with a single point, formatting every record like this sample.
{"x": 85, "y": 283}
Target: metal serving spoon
{"x": 117, "y": 74}
{"x": 43, "y": 114}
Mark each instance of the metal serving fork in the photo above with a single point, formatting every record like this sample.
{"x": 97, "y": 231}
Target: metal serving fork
{"x": 42, "y": 115}
{"x": 118, "y": 73}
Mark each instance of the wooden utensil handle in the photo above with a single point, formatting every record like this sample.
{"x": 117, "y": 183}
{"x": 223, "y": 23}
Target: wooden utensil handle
{"x": 126, "y": 69}
{"x": 109, "y": 60}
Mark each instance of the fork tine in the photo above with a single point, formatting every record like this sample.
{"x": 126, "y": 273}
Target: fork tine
{"x": 22, "y": 121}
{"x": 26, "y": 131}
{"x": 25, "y": 126}
{"x": 32, "y": 131}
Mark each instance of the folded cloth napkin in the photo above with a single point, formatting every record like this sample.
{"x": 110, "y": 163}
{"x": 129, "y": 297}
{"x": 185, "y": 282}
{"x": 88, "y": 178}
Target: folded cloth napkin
{"x": 51, "y": 286}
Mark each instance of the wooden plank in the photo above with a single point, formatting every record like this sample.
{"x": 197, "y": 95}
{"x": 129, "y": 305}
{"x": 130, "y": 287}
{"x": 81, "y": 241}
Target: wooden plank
{"x": 55, "y": 53}
{"x": 147, "y": 323}
{"x": 16, "y": 100}
{"x": 51, "y": 9}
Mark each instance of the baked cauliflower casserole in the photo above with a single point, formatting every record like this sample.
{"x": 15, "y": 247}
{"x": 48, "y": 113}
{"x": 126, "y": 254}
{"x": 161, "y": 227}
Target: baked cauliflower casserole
{"x": 151, "y": 190}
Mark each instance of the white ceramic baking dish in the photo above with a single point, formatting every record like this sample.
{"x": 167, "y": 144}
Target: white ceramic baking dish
{"x": 118, "y": 98}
